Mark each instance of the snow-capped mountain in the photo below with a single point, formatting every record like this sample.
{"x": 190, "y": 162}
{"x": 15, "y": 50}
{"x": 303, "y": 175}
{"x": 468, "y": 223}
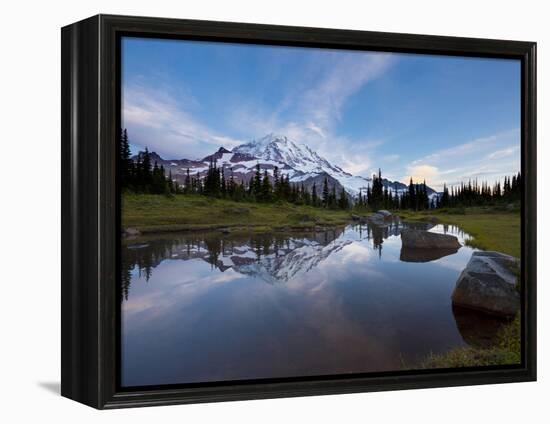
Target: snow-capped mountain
{"x": 278, "y": 148}
{"x": 296, "y": 160}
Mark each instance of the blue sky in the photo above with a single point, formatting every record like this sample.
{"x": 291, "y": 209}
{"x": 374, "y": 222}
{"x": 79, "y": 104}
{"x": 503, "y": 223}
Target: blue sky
{"x": 445, "y": 119}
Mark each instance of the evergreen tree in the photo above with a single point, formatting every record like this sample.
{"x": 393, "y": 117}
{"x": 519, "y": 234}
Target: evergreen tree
{"x": 343, "y": 202}
{"x": 257, "y": 183}
{"x": 413, "y": 204}
{"x": 126, "y": 163}
{"x": 325, "y": 195}
{"x": 314, "y": 198}
{"x": 188, "y": 188}
{"x": 276, "y": 184}
{"x": 265, "y": 191}
{"x": 223, "y": 186}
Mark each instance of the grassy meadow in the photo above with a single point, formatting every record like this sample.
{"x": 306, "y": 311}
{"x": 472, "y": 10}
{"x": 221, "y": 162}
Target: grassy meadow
{"x": 490, "y": 228}
{"x": 151, "y": 213}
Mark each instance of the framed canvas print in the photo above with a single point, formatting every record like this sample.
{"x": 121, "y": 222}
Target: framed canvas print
{"x": 255, "y": 211}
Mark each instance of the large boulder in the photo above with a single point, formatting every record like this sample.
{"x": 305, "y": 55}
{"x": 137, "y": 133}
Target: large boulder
{"x": 384, "y": 213}
{"x": 488, "y": 284}
{"x": 418, "y": 239}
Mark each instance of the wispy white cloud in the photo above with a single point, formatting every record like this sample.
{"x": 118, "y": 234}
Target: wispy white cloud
{"x": 503, "y": 152}
{"x": 322, "y": 103}
{"x": 312, "y": 109}
{"x": 157, "y": 120}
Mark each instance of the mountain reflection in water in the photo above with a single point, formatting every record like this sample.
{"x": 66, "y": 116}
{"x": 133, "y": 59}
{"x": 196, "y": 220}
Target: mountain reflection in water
{"x": 214, "y": 307}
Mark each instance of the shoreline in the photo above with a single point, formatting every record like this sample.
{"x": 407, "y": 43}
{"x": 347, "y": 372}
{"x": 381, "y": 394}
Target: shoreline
{"x": 490, "y": 228}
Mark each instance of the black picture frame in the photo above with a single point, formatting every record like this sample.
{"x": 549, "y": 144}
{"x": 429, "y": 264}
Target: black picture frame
{"x": 90, "y": 208}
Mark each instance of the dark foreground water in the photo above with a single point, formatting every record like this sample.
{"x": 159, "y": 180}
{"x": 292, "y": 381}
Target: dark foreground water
{"x": 200, "y": 307}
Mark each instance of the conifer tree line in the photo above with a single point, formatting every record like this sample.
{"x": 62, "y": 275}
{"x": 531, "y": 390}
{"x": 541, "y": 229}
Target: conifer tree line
{"x": 144, "y": 176}
{"x": 480, "y": 194}
{"x": 263, "y": 188}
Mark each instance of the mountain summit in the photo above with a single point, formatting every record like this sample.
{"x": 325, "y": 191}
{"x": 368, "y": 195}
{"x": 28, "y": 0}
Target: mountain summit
{"x": 279, "y": 148}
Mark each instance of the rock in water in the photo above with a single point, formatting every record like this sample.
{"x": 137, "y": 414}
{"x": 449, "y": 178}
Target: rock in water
{"x": 375, "y": 217}
{"x": 418, "y": 239}
{"x": 384, "y": 213}
{"x": 488, "y": 283}
{"x": 432, "y": 219}
{"x": 131, "y": 232}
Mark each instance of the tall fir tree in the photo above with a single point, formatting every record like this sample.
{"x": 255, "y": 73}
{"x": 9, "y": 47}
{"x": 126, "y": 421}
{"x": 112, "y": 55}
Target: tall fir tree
{"x": 325, "y": 195}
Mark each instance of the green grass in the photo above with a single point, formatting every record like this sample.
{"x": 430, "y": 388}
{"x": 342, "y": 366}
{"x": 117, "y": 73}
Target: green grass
{"x": 507, "y": 351}
{"x": 490, "y": 228}
{"x": 155, "y": 213}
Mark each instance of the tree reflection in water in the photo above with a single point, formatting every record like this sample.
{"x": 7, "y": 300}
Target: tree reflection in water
{"x": 279, "y": 251}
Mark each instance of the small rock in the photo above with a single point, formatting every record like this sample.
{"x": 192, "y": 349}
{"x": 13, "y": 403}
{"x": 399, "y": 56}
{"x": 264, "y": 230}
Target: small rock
{"x": 488, "y": 283}
{"x": 384, "y": 213}
{"x": 431, "y": 218}
{"x": 131, "y": 232}
{"x": 418, "y": 239}
{"x": 378, "y": 219}
{"x": 355, "y": 217}
{"x": 225, "y": 230}
{"x": 237, "y": 211}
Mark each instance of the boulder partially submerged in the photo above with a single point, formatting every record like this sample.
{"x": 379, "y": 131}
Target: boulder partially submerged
{"x": 376, "y": 218}
{"x": 418, "y": 239}
{"x": 380, "y": 218}
{"x": 488, "y": 284}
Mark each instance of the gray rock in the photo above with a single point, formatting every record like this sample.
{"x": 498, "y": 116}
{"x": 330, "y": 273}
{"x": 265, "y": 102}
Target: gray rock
{"x": 375, "y": 217}
{"x": 431, "y": 218}
{"x": 384, "y": 213}
{"x": 488, "y": 284}
{"x": 418, "y": 239}
{"x": 355, "y": 217}
{"x": 131, "y": 232}
{"x": 225, "y": 230}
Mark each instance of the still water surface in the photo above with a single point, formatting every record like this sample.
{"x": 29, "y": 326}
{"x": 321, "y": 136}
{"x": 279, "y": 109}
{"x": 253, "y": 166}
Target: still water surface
{"x": 200, "y": 307}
